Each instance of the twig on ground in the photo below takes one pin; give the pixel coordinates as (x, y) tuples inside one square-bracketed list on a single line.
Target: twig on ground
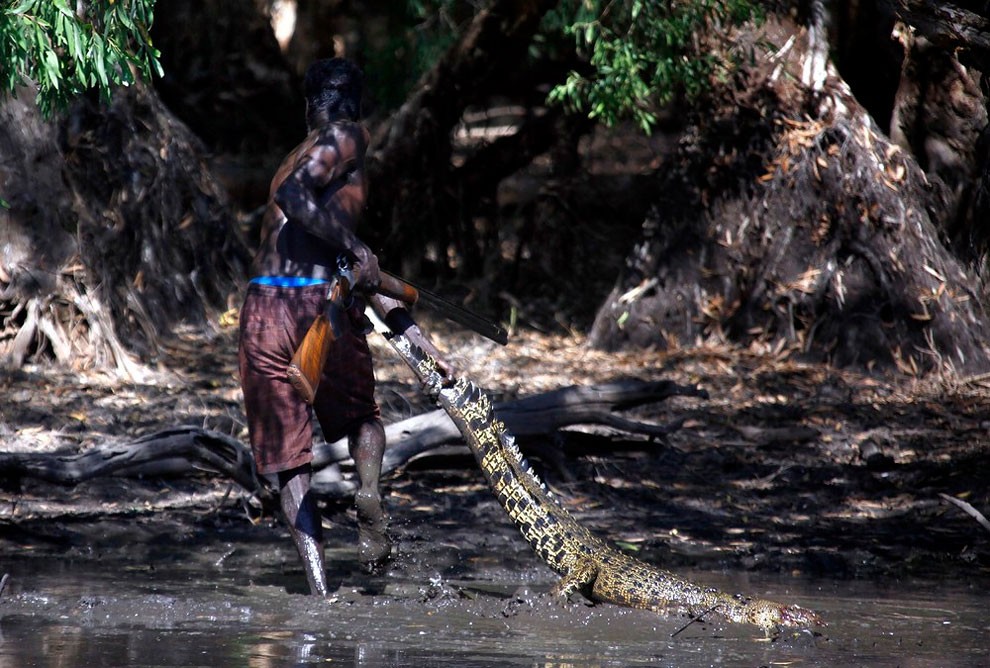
[(694, 620), (968, 509), (226, 495)]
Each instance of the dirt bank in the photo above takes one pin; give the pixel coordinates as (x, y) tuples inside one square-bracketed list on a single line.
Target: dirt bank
[(787, 468)]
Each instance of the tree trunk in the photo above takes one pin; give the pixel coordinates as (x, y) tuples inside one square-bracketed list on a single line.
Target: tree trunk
[(413, 202), (796, 224), (226, 78), (35, 227), (940, 114), (962, 27)]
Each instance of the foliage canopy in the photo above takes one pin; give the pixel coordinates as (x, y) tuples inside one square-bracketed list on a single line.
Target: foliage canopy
[(643, 52), (640, 53), (66, 48)]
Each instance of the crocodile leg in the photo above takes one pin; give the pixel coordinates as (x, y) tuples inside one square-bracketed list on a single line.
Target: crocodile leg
[(580, 577)]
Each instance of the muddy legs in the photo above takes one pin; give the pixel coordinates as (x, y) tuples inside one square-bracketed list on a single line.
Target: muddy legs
[(303, 519), (367, 445)]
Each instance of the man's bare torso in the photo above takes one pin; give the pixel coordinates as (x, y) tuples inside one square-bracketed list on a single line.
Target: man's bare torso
[(322, 187)]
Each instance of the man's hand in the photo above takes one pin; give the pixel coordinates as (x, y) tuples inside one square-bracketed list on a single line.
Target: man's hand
[(367, 276), (396, 317)]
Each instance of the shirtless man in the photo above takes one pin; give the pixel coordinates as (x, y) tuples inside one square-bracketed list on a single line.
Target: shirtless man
[(315, 203)]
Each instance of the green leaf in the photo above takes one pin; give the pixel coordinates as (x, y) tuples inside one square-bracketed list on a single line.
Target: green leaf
[(73, 41), (156, 65), (589, 33), (627, 546), (99, 56), (63, 7), (23, 7), (52, 69)]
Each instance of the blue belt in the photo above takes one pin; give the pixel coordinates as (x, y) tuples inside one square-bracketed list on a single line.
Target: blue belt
[(287, 281)]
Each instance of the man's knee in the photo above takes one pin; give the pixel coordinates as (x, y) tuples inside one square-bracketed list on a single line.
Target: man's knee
[(298, 476)]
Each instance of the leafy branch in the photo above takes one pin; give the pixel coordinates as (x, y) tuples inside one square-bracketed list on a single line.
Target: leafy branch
[(64, 50), (643, 52)]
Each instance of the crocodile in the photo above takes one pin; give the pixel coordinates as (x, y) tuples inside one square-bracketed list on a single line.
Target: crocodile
[(586, 563)]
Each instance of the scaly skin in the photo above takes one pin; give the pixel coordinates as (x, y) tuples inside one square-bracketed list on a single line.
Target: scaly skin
[(585, 562)]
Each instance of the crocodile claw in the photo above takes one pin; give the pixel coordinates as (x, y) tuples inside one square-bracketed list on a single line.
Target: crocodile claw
[(433, 385)]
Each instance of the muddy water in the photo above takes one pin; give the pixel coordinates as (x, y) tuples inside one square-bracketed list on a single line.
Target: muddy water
[(238, 605)]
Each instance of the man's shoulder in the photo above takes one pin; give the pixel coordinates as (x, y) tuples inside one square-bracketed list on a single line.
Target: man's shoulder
[(339, 130), (345, 134), (342, 137)]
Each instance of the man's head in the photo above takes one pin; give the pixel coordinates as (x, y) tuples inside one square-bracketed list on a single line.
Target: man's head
[(333, 92)]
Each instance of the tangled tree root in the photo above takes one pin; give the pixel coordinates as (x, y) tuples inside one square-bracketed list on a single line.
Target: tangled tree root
[(114, 233), (796, 225)]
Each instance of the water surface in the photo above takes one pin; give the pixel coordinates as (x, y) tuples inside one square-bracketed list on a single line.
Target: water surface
[(234, 607)]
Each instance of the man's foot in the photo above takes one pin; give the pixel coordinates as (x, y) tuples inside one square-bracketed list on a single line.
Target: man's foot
[(374, 545)]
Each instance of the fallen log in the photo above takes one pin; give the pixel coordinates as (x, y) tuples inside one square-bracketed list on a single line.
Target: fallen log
[(176, 451), (185, 450), (540, 415)]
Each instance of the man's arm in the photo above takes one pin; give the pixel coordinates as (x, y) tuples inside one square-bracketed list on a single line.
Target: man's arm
[(395, 315), (304, 198), (298, 194)]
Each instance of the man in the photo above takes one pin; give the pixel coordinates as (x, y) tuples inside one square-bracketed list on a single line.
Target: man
[(315, 202)]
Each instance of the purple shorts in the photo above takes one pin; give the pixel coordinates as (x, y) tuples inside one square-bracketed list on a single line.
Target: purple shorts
[(274, 321)]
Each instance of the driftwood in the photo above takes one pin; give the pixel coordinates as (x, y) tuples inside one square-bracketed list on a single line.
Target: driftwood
[(184, 450), (175, 451), (527, 418)]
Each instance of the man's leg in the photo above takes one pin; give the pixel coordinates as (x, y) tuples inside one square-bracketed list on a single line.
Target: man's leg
[(367, 446), (303, 518)]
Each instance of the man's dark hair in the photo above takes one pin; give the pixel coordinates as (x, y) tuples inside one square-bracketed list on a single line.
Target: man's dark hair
[(333, 91)]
